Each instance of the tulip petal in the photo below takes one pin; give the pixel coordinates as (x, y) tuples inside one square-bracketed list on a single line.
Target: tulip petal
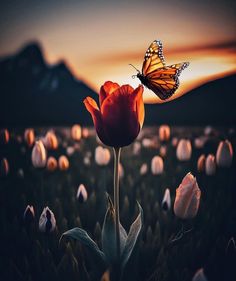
[(138, 94), (107, 89), (93, 109), (119, 116)]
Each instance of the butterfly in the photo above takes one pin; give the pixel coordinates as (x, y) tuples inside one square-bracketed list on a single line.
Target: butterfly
[(161, 79)]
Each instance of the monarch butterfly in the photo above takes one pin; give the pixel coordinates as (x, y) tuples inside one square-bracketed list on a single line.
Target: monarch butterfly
[(161, 79)]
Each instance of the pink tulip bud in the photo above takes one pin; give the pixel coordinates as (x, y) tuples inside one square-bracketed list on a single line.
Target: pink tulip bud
[(201, 163), (39, 155), (164, 133), (224, 154), (174, 142), (210, 165), (163, 150), (85, 133), (187, 198), (76, 132), (50, 141), (157, 165), (63, 163), (184, 150), (136, 148), (4, 167), (102, 156), (82, 194), (199, 142), (47, 221), (29, 137), (143, 169)]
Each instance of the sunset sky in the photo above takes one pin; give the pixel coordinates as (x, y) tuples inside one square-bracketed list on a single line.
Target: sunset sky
[(99, 40)]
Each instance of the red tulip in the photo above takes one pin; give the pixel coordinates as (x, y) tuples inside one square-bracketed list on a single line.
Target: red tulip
[(121, 114)]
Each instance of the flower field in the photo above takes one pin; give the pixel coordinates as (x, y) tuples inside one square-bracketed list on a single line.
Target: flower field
[(164, 252)]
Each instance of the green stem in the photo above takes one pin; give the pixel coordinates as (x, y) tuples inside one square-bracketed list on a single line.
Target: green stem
[(117, 151)]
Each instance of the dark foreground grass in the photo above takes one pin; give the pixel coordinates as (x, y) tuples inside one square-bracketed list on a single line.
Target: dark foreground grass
[(26, 254)]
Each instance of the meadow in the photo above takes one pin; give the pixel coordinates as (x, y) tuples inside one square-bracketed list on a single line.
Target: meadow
[(27, 254)]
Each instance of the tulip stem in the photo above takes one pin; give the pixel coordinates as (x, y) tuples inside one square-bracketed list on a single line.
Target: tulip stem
[(117, 151)]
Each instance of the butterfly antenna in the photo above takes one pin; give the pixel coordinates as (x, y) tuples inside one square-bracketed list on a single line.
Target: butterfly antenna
[(134, 68)]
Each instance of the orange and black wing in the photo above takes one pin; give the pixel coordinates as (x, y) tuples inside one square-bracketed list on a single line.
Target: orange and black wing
[(164, 81), (153, 58)]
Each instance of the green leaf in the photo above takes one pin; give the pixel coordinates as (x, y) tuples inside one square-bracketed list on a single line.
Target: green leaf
[(82, 236), (132, 238), (109, 246)]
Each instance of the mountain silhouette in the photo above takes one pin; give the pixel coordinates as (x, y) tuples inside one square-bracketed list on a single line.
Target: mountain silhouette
[(212, 103), (34, 93)]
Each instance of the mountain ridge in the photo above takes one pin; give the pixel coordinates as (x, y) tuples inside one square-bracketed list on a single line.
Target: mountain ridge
[(34, 93)]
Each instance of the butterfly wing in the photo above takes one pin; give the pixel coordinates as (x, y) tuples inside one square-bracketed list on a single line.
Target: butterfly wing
[(153, 58), (164, 81)]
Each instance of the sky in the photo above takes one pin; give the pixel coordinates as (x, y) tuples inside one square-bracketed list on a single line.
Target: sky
[(98, 40)]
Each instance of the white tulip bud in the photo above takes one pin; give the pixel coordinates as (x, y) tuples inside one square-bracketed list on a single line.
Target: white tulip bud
[(157, 165), (184, 150), (47, 221), (166, 202), (39, 155), (82, 194), (224, 154)]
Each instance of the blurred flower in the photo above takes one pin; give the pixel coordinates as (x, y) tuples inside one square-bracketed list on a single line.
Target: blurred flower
[(82, 194), (199, 275), (20, 173), (166, 202), (199, 142), (4, 167), (63, 163), (76, 132), (87, 161), (201, 163), (121, 171), (136, 148), (85, 133), (224, 154), (164, 133), (39, 155), (157, 165), (187, 198), (163, 150), (210, 166), (148, 143), (50, 141), (121, 114), (184, 150), (51, 164), (102, 156), (47, 221), (70, 150), (143, 169), (29, 214), (174, 142), (4, 136), (208, 130), (29, 137)]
